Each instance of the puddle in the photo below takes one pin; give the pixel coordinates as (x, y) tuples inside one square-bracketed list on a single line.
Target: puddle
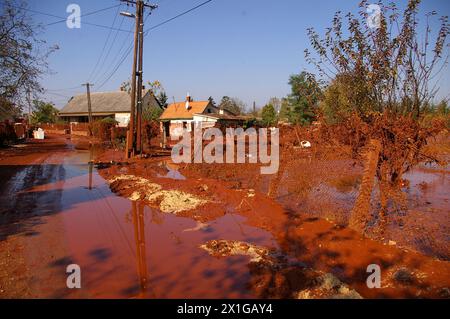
[(172, 172), (130, 249), (126, 249)]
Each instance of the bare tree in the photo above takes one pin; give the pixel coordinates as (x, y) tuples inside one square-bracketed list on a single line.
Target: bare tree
[(23, 57)]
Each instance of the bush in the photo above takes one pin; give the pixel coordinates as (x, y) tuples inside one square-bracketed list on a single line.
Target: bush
[(102, 128)]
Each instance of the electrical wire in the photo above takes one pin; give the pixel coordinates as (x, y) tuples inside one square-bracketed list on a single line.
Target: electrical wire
[(87, 14), (145, 33), (106, 42)]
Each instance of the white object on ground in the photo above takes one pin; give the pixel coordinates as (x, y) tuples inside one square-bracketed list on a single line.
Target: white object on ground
[(39, 134), (305, 144)]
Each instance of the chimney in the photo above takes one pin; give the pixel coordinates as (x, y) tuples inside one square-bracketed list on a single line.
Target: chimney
[(188, 99), (221, 111)]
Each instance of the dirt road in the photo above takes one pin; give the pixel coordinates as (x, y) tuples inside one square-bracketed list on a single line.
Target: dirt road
[(126, 229)]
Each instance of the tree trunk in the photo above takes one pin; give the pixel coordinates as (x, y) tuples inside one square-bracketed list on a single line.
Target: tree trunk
[(360, 214)]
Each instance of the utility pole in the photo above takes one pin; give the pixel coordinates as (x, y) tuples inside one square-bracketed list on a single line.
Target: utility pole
[(88, 93), (139, 86), (134, 135)]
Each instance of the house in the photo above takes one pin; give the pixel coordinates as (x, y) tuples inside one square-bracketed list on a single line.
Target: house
[(105, 104), (183, 115)]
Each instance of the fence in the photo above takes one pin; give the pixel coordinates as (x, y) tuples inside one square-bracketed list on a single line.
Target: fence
[(55, 128), (81, 129)]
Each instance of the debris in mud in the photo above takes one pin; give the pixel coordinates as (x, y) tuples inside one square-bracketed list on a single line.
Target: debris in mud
[(222, 248), (274, 276), (328, 287), (404, 276), (139, 188), (199, 226)]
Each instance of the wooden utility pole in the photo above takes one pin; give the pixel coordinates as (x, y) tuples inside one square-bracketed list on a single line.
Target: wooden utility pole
[(140, 86), (130, 135), (134, 135), (88, 93)]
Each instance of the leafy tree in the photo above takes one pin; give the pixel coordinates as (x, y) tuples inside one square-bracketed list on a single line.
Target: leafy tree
[(383, 80), (44, 112), (211, 100), (276, 102), (442, 108), (162, 99), (23, 57), (233, 105), (335, 105), (159, 92), (269, 115), (285, 109), (152, 114), (8, 110), (156, 88), (389, 67), (304, 97)]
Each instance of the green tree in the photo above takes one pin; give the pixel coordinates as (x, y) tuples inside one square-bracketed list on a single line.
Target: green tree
[(442, 108), (269, 115), (159, 92), (285, 109), (335, 104), (153, 114), (304, 97), (233, 105), (44, 112)]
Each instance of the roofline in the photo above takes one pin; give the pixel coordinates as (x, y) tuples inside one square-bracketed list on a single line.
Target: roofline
[(93, 113), (205, 101), (176, 118)]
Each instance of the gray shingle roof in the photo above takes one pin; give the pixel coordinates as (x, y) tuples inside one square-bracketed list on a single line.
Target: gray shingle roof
[(101, 102), (105, 102)]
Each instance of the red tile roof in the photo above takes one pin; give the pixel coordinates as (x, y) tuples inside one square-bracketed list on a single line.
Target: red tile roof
[(178, 110)]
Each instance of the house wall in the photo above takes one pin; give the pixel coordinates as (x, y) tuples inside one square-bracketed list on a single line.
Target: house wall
[(122, 118), (205, 121), (176, 127)]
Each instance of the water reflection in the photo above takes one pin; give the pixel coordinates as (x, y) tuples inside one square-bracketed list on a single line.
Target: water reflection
[(139, 237), (91, 165)]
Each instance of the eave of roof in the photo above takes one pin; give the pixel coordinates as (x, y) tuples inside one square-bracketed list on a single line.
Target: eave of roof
[(178, 110)]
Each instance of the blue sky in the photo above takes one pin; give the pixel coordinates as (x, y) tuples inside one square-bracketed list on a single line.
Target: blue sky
[(240, 48)]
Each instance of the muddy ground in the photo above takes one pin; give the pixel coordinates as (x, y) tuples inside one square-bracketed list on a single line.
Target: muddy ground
[(149, 228)]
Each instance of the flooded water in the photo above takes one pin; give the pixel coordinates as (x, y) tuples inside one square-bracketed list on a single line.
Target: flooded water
[(57, 209), (126, 249)]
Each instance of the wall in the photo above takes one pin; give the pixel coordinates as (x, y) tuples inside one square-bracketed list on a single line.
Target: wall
[(122, 118)]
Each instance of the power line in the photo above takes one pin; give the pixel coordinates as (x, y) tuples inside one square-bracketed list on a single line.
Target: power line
[(83, 15), (124, 56), (106, 42), (179, 15), (87, 14), (146, 32), (61, 95), (109, 50), (118, 55), (64, 89)]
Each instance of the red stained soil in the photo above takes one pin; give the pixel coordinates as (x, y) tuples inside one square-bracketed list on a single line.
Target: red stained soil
[(57, 210)]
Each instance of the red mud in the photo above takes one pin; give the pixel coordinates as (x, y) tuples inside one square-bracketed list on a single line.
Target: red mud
[(56, 210)]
